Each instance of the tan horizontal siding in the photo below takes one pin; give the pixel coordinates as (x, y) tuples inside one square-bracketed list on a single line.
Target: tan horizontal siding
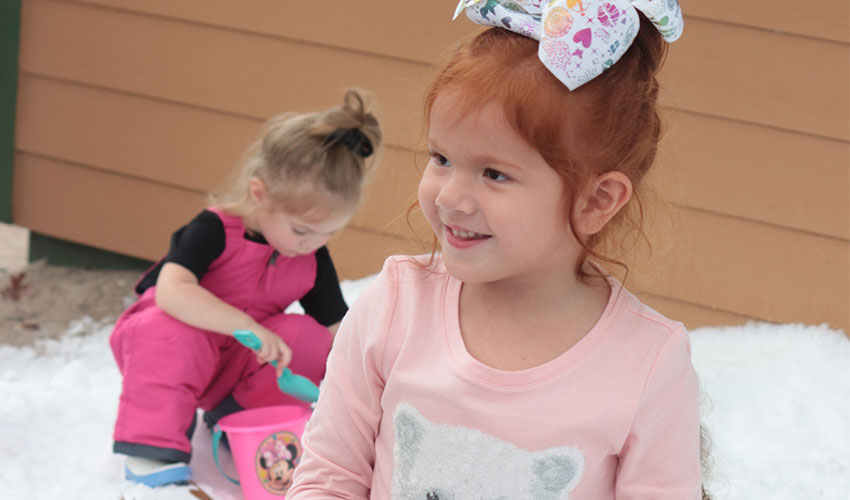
[(829, 19), (130, 110), (172, 144), (410, 25), (100, 209), (230, 72), (759, 173), (794, 83), (418, 31), (748, 268), (164, 142), (716, 69)]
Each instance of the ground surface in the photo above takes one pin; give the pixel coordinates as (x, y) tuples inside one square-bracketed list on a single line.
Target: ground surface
[(49, 298)]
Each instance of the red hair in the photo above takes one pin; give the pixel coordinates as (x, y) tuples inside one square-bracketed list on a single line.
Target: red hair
[(609, 123)]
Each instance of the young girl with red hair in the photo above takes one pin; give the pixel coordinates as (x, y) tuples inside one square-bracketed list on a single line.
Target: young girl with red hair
[(511, 364)]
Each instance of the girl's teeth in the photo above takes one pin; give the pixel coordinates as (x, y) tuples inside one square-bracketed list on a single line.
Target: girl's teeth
[(464, 234)]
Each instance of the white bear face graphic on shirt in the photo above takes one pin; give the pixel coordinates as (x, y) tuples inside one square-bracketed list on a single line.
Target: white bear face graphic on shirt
[(449, 462)]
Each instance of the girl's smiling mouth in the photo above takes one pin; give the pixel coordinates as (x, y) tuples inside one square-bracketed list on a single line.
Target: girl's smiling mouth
[(462, 239)]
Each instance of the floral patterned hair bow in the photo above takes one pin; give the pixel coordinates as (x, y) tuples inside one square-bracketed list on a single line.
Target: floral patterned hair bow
[(579, 39)]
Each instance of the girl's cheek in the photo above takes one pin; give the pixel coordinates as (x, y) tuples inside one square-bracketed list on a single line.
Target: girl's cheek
[(427, 194), (429, 188), (314, 242)]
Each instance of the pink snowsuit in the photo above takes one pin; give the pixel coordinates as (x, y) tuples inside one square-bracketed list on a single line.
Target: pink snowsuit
[(170, 368)]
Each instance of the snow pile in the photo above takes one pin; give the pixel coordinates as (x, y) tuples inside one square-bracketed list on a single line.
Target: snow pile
[(778, 410)]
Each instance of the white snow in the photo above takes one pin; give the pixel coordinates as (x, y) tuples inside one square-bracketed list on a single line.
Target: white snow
[(777, 406)]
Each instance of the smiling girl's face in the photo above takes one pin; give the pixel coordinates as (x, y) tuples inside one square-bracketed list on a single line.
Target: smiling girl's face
[(494, 203)]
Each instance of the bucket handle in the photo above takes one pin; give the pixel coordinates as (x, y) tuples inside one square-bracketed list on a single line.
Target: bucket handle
[(216, 440)]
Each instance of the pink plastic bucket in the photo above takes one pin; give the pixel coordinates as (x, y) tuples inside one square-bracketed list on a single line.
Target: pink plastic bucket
[(266, 446)]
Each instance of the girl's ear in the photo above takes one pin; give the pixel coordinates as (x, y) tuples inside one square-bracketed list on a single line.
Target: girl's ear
[(258, 190), (601, 200)]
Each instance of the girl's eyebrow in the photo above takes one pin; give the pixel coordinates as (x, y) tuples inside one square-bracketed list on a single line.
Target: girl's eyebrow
[(482, 159), (499, 163)]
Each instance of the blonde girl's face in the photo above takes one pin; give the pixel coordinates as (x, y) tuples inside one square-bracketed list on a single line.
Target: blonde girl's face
[(494, 203), (295, 234)]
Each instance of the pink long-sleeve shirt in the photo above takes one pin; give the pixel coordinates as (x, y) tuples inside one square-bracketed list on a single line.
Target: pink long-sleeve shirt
[(406, 412)]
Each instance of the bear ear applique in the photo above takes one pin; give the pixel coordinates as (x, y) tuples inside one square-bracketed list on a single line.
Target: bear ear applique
[(409, 433), (409, 430), (557, 473)]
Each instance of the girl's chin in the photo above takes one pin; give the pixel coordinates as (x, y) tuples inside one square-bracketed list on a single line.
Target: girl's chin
[(469, 272), (289, 253)]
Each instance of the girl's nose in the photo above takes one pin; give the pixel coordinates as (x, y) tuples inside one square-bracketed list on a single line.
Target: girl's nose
[(457, 195)]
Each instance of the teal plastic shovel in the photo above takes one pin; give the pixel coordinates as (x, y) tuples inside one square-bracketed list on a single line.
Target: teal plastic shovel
[(295, 385)]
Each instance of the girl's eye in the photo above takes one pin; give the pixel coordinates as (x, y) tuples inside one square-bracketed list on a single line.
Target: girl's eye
[(494, 175), (299, 232), (440, 160)]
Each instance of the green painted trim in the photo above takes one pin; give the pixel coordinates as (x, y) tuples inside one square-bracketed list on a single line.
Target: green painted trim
[(10, 30), (59, 252)]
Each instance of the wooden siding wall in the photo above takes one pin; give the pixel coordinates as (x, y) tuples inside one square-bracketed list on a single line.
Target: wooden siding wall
[(130, 110)]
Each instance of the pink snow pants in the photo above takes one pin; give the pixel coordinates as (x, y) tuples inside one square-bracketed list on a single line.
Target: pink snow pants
[(170, 369)]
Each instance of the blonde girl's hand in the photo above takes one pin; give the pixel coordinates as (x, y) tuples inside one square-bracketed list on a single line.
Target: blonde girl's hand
[(273, 349)]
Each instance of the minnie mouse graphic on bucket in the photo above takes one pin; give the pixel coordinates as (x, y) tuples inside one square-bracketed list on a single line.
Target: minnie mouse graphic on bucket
[(276, 459)]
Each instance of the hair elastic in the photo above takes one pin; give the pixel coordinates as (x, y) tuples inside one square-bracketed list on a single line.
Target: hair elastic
[(353, 138), (579, 39)]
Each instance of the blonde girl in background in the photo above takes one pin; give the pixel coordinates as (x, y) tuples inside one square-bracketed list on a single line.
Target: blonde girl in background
[(238, 265), (512, 364)]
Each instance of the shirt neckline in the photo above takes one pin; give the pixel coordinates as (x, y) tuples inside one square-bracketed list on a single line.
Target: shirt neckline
[(516, 379)]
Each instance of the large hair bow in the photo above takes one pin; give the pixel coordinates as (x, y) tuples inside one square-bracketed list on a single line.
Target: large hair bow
[(579, 39)]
